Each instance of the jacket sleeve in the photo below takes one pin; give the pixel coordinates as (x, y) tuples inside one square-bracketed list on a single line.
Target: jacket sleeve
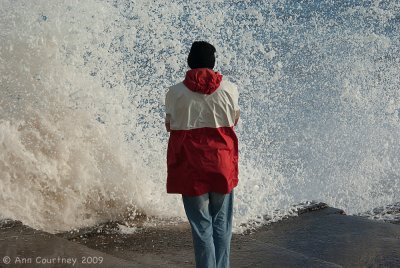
[(236, 103), (168, 107)]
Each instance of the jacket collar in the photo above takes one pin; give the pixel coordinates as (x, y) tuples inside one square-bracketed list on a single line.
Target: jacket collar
[(202, 80)]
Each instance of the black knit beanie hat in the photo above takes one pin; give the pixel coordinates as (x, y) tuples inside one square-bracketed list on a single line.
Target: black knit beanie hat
[(201, 55)]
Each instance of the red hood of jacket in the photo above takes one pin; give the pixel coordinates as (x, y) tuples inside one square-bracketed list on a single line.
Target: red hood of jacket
[(202, 80)]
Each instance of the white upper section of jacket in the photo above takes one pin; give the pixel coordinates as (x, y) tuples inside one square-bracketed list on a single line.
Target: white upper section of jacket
[(186, 109)]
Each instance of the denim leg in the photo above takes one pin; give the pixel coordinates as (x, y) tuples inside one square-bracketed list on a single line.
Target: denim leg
[(197, 211), (221, 208)]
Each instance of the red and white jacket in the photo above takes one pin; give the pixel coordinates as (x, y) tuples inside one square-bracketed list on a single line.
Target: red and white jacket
[(202, 152)]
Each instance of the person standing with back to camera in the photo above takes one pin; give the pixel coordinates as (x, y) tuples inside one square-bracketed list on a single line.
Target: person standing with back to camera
[(202, 156)]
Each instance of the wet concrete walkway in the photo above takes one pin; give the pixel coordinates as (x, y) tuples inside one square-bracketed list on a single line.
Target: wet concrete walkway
[(21, 246), (322, 238)]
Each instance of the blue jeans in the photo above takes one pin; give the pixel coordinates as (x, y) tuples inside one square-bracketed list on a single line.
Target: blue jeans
[(210, 218)]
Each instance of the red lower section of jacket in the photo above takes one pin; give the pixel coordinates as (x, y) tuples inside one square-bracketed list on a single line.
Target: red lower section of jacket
[(202, 160)]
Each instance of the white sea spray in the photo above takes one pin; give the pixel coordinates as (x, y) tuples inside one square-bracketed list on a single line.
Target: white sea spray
[(81, 105)]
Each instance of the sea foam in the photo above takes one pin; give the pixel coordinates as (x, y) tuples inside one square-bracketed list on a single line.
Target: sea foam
[(81, 105)]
